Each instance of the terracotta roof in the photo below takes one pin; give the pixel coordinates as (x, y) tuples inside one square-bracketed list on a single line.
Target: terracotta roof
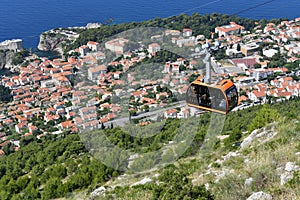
[(247, 61), (92, 43), (67, 124), (98, 68), (168, 112), (259, 94)]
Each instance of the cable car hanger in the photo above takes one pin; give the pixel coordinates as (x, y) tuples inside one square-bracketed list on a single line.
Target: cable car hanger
[(220, 97)]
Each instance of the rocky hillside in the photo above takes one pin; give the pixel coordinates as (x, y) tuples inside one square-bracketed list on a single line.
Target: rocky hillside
[(256, 157), (264, 164)]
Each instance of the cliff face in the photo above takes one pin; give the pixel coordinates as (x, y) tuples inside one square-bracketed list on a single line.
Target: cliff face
[(5, 59), (51, 42), (55, 39)]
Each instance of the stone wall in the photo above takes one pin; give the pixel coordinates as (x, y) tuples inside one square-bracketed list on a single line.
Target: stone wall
[(15, 45)]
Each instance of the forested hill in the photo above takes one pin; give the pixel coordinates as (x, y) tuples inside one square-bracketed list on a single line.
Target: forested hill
[(59, 166), (200, 24)]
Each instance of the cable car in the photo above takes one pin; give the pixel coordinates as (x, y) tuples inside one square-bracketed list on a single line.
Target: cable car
[(221, 97)]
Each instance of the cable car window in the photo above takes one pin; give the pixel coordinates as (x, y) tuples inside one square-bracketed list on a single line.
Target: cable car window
[(232, 97), (199, 95), (192, 95), (218, 100)]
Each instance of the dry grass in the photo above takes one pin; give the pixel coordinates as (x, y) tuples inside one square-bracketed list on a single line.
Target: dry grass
[(266, 161)]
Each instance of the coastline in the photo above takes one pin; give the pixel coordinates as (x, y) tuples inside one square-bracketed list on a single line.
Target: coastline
[(29, 22)]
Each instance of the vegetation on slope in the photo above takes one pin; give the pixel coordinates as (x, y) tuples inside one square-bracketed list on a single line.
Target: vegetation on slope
[(200, 24), (58, 166), (263, 162), (50, 168), (5, 95)]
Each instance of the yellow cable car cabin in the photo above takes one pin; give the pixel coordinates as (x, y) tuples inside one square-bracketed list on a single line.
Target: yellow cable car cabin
[(221, 97)]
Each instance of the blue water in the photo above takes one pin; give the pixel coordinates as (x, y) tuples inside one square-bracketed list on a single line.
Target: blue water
[(27, 19)]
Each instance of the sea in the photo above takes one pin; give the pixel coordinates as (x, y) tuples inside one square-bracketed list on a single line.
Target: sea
[(27, 19)]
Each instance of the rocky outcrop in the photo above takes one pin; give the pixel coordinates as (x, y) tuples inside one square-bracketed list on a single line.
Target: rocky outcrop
[(6, 58), (262, 135), (289, 170), (98, 192), (143, 181), (51, 42), (55, 39), (260, 196)]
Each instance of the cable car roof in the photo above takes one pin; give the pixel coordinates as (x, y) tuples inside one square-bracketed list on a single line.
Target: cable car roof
[(223, 84)]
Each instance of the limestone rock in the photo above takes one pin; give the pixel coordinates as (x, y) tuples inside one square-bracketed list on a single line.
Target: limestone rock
[(143, 181), (98, 192), (291, 167), (260, 196), (248, 181), (248, 140), (285, 177), (50, 42), (5, 59)]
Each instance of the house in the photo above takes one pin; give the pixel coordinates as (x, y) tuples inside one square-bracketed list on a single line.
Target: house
[(242, 99), (83, 50), (105, 106), (153, 48), (8, 122), (230, 29), (91, 125), (87, 110), (162, 95), (173, 67), (48, 117), (111, 116), (275, 83), (94, 72), (184, 112), (103, 120), (261, 86), (249, 48), (139, 94), (32, 129), (172, 113), (287, 79), (67, 124), (116, 45), (20, 126), (191, 41), (59, 105), (172, 32), (257, 96), (94, 46), (293, 89), (117, 74), (106, 95), (259, 74), (116, 109), (186, 32), (174, 82), (283, 95)]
